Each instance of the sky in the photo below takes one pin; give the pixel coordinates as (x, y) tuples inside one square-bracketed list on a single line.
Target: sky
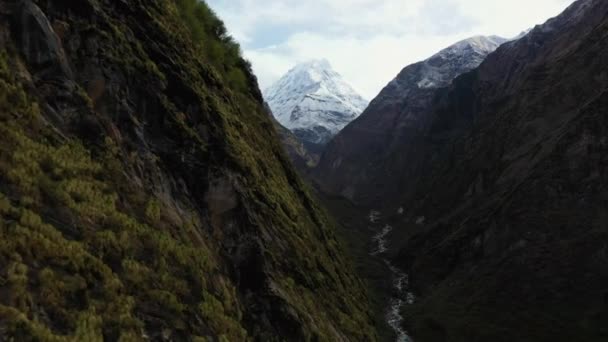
[(368, 41)]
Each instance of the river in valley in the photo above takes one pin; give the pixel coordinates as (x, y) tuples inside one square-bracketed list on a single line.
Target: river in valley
[(400, 294)]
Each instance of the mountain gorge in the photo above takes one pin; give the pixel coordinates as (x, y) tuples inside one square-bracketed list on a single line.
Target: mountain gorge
[(144, 194), (149, 191), (365, 162), (512, 186), (498, 184), (314, 102)]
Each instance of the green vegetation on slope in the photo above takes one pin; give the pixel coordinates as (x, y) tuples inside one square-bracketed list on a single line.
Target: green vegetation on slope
[(72, 257), (92, 245), (218, 47)]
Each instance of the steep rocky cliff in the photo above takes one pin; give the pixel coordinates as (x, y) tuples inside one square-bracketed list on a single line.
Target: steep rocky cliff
[(301, 158), (510, 192), (143, 191), (366, 162)]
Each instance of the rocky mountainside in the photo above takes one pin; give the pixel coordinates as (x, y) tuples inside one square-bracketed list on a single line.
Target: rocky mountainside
[(144, 194), (365, 162), (302, 159), (314, 102), (505, 184)]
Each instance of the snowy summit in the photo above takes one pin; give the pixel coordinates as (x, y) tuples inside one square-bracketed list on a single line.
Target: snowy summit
[(314, 101), (463, 56)]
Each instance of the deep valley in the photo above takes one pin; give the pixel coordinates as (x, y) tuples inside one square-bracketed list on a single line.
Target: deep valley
[(151, 191)]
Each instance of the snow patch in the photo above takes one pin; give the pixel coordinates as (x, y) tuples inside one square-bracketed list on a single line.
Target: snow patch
[(427, 84), (465, 55), (420, 220), (439, 70)]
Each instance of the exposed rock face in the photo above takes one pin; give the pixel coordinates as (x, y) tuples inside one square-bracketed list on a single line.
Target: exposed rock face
[(510, 176), (314, 102), (302, 158), (365, 162), (143, 190)]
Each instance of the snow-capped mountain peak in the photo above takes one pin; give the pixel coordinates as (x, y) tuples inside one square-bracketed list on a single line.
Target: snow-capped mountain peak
[(416, 81), (462, 56), (521, 34), (314, 101)]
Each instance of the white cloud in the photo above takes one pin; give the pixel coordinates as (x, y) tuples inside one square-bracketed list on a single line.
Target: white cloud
[(368, 64), (368, 41)]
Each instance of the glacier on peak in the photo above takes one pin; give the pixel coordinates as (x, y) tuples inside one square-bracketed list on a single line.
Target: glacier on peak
[(314, 101)]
